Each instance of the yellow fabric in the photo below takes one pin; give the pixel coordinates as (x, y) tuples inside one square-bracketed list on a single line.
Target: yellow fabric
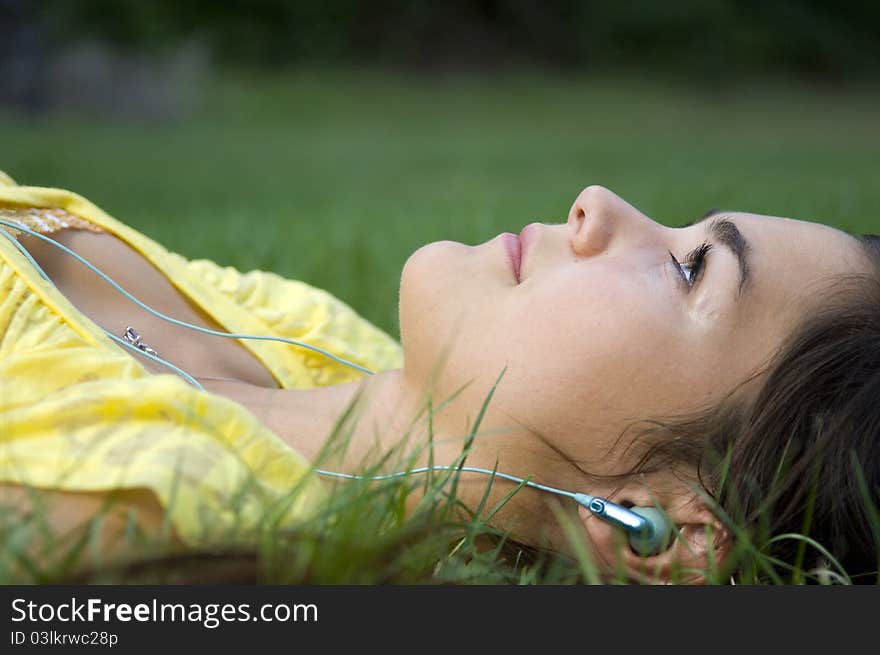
[(80, 413)]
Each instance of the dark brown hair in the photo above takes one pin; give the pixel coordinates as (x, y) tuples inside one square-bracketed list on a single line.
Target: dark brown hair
[(801, 453)]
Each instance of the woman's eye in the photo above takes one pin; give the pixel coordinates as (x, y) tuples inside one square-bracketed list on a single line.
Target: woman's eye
[(686, 275), (683, 270), (693, 264)]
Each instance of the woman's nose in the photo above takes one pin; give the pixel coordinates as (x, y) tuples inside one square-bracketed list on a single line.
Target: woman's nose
[(598, 217)]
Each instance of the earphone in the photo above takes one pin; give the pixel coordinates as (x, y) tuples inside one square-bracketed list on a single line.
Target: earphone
[(648, 529)]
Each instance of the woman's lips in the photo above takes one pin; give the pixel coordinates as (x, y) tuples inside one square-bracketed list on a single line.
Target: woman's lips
[(526, 236), (514, 252)]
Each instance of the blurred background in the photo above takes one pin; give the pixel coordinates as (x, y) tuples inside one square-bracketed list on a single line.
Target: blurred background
[(326, 141)]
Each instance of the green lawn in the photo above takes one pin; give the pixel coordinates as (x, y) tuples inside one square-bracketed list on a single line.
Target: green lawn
[(335, 178)]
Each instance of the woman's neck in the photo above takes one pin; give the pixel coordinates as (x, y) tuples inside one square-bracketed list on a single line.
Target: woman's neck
[(305, 419), (388, 411)]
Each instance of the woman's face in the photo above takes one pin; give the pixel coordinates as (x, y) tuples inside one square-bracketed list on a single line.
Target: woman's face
[(602, 328)]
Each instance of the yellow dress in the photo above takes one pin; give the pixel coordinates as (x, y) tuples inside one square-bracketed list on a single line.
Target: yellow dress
[(78, 412)]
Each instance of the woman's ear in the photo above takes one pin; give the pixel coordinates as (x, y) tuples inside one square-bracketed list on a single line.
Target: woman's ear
[(699, 542)]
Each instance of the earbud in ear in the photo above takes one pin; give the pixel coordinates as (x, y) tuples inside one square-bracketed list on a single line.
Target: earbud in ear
[(656, 538), (648, 529)]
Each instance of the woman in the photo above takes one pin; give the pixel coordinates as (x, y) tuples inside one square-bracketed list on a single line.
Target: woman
[(743, 337)]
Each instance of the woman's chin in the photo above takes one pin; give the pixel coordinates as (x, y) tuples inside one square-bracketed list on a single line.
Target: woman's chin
[(433, 282), (435, 249), (433, 262)]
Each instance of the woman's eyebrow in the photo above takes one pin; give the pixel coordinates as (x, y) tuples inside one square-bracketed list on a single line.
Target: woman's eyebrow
[(723, 230)]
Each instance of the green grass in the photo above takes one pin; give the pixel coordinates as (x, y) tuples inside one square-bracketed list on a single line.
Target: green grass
[(360, 534), (335, 178)]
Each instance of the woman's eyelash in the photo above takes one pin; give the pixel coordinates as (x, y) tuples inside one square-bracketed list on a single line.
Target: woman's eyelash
[(694, 262)]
